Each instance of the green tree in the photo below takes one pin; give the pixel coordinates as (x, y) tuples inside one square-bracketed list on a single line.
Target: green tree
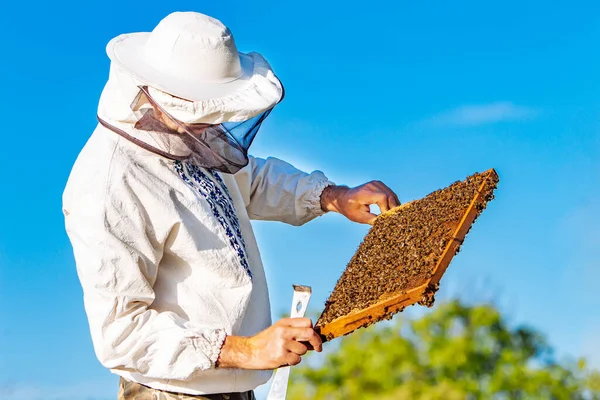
[(455, 352)]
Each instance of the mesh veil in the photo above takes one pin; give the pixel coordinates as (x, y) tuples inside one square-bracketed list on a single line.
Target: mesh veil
[(223, 146)]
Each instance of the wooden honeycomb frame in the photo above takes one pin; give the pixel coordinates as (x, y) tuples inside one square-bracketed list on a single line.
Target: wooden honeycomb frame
[(421, 294)]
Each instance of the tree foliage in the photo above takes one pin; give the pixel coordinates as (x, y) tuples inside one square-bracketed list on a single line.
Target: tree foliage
[(455, 352)]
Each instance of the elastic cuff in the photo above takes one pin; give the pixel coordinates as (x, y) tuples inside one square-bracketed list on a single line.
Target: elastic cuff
[(314, 198), (212, 345)]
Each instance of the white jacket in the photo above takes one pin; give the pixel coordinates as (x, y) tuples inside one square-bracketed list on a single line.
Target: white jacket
[(168, 261)]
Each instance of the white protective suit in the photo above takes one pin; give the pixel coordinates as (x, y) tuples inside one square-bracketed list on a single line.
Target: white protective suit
[(167, 258)]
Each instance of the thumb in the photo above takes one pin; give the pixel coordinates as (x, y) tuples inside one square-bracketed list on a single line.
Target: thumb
[(363, 215)]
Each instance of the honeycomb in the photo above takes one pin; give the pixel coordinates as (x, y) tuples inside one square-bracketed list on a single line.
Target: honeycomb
[(404, 247)]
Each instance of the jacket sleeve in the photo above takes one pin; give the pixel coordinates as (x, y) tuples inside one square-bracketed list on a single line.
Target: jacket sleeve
[(117, 252), (274, 190)]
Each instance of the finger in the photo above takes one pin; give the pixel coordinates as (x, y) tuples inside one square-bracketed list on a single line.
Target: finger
[(292, 359), (392, 202), (389, 192), (297, 347), (311, 348), (361, 213), (382, 202), (316, 342), (297, 322), (308, 335), (363, 217), (299, 334), (395, 199), (373, 197), (398, 202)]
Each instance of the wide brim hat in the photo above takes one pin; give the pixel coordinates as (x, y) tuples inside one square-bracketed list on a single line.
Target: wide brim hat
[(193, 57)]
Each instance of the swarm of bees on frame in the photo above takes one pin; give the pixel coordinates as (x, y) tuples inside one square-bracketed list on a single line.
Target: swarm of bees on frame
[(402, 249)]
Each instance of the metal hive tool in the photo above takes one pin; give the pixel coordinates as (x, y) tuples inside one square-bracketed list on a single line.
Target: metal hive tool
[(403, 257)]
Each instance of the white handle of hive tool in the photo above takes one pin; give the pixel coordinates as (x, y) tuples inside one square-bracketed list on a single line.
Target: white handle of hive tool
[(282, 375)]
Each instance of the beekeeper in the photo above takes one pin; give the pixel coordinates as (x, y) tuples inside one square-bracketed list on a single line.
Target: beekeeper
[(158, 208)]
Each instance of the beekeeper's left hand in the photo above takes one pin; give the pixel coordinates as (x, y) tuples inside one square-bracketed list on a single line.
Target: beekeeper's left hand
[(354, 203)]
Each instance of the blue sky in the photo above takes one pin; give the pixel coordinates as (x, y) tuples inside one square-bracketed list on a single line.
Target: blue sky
[(415, 93)]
